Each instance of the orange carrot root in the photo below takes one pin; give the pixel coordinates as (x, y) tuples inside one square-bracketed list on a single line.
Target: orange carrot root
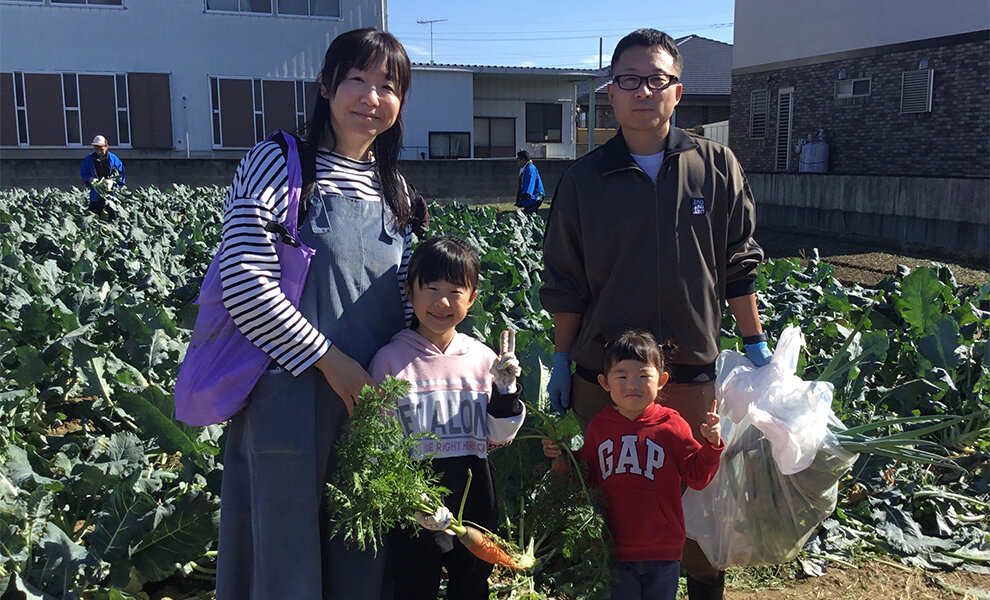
[(487, 550)]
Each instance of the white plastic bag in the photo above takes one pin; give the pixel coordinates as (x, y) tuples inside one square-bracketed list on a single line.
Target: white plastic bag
[(777, 479), (791, 413)]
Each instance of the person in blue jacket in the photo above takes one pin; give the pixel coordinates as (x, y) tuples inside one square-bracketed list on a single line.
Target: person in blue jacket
[(100, 164), (530, 194)]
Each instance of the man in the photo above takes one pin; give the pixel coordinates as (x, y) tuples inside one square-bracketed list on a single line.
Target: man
[(530, 195), (652, 230), (101, 164)]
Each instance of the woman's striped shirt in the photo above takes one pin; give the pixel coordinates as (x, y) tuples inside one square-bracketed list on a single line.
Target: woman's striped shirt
[(249, 268)]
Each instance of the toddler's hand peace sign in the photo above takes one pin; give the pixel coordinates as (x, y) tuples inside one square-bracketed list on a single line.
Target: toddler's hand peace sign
[(710, 429)]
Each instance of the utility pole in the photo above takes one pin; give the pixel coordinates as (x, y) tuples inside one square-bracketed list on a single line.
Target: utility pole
[(430, 22)]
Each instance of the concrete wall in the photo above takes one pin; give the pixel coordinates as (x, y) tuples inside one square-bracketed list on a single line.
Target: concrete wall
[(477, 181), (141, 172), (473, 181), (768, 31), (953, 214), (944, 213), (177, 37)]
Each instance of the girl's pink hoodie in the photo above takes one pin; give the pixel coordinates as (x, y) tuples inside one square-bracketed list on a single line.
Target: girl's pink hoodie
[(451, 394)]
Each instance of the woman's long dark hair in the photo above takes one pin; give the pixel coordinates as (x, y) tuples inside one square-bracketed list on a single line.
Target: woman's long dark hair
[(365, 49)]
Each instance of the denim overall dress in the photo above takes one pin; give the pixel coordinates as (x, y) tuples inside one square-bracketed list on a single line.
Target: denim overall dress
[(273, 517)]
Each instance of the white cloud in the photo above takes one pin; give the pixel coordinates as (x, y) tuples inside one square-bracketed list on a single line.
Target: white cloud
[(592, 61), (417, 53)]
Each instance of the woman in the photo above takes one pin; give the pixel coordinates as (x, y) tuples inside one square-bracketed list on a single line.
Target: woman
[(273, 541)]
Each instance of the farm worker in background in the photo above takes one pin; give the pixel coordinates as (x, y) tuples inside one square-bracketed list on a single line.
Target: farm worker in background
[(530, 194), (273, 519), (451, 374), (98, 165), (640, 453), (652, 230)]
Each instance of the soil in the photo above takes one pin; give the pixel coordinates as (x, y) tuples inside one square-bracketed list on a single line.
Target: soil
[(869, 581), (863, 262), (859, 260)]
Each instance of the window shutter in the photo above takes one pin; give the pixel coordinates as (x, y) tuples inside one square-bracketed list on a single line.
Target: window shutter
[(916, 91), (758, 114), (783, 154)]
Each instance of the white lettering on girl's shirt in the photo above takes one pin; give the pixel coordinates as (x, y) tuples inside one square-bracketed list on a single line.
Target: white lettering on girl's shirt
[(459, 418), (629, 457)]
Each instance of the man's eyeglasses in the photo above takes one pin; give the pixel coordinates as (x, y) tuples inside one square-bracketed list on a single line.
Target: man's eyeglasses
[(656, 82)]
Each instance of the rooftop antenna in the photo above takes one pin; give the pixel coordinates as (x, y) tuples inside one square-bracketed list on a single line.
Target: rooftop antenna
[(430, 22)]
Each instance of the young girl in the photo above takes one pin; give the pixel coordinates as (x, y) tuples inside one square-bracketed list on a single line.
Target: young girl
[(273, 538), (455, 397), (639, 453)]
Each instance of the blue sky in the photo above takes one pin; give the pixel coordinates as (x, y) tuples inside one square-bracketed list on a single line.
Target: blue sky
[(545, 33)]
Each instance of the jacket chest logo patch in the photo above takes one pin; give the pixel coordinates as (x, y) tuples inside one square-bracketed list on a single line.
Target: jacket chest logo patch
[(697, 206)]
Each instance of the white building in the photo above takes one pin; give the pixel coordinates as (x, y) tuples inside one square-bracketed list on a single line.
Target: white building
[(210, 78), (162, 78), (469, 111)]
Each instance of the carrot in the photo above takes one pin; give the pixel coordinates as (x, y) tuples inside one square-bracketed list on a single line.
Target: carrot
[(482, 543), (485, 548)]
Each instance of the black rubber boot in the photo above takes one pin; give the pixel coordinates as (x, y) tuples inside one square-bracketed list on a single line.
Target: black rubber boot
[(707, 589)]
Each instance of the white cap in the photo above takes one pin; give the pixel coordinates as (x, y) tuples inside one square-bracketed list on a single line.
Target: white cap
[(99, 141)]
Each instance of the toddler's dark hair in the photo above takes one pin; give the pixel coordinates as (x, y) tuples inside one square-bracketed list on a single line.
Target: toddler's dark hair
[(445, 258), (634, 344)]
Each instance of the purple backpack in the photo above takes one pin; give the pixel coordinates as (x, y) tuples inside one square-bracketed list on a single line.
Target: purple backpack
[(222, 366)]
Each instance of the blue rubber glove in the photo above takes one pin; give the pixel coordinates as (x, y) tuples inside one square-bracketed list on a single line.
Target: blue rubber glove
[(559, 387), (759, 354)]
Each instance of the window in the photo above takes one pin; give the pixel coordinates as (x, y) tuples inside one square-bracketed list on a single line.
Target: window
[(259, 111), (300, 103), (916, 91), (85, 105), (299, 8), (123, 117), (852, 88), (22, 120), (90, 2), (69, 2), (758, 105), (309, 8), (450, 144), (263, 7), (494, 137), (70, 109), (543, 122), (245, 110), (70, 100)]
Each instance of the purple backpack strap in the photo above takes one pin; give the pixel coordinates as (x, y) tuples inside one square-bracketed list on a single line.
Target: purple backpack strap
[(294, 169)]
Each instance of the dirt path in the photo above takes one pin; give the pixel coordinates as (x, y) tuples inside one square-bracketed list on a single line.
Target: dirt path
[(857, 260), (860, 262), (871, 581)]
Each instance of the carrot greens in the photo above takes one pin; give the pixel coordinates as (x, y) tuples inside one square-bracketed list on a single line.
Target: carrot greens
[(381, 482)]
